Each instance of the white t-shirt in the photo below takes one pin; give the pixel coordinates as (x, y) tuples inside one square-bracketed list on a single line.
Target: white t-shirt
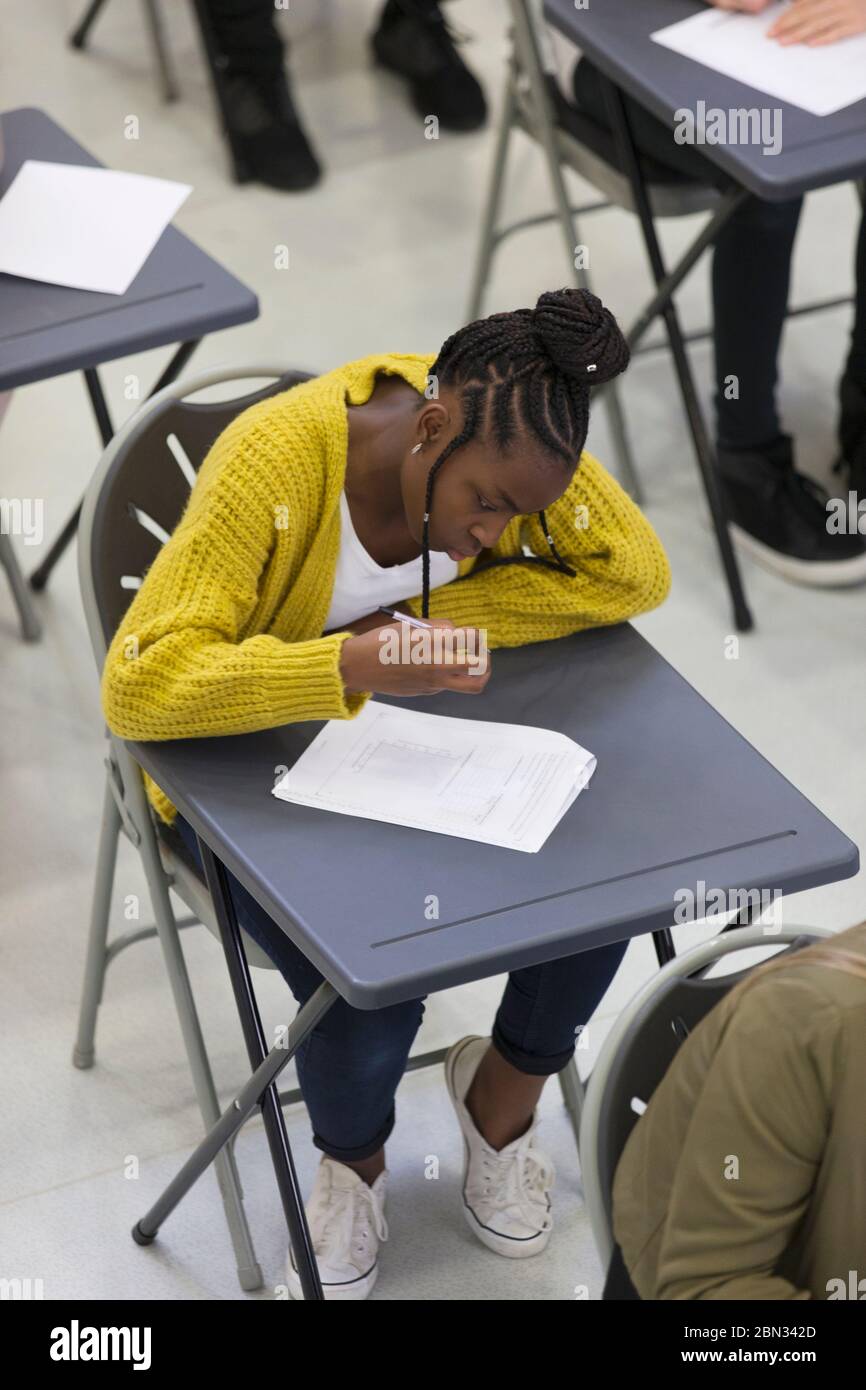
[(360, 585)]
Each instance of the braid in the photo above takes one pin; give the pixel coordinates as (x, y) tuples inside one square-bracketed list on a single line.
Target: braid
[(532, 370)]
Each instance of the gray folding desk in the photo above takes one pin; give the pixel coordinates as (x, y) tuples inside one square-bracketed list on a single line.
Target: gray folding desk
[(615, 34), (816, 151), (678, 797), (178, 296)]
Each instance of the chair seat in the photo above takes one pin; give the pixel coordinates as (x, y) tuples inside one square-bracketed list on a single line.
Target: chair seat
[(589, 148)]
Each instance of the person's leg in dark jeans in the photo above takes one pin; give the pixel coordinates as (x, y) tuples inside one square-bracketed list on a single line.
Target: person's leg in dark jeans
[(751, 277), (350, 1065), (778, 515), (412, 39), (534, 1036), (271, 143), (495, 1085)]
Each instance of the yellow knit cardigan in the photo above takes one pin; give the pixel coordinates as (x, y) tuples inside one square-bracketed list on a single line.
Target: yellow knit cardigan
[(224, 635)]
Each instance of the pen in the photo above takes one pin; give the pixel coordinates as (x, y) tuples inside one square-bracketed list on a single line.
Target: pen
[(404, 617)]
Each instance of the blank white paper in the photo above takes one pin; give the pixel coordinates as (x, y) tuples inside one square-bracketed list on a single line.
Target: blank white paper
[(499, 784), (821, 80), (92, 229)]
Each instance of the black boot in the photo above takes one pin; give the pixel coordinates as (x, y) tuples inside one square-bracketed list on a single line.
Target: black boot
[(269, 142), (852, 436), (785, 521), (414, 40)]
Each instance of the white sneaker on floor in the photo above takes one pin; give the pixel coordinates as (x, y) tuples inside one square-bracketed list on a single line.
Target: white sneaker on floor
[(346, 1218), (506, 1192)]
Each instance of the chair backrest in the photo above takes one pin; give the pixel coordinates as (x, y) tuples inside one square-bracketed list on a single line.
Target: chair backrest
[(641, 1047), (142, 485), (133, 502)]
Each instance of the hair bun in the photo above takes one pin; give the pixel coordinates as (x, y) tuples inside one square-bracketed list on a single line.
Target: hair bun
[(581, 337)]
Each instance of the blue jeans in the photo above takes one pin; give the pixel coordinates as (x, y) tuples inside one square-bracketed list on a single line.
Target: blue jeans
[(350, 1065)]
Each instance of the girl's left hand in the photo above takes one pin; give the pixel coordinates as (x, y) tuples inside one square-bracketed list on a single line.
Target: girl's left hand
[(815, 22)]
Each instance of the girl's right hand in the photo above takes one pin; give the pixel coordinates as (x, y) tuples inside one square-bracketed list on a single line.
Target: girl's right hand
[(367, 662)]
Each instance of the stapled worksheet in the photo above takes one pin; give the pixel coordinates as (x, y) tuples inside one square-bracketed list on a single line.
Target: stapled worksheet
[(499, 784), (821, 79)]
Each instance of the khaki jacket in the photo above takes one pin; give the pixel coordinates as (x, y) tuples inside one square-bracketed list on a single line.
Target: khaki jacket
[(746, 1176)]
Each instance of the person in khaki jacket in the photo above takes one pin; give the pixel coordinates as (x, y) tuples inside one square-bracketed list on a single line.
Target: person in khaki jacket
[(745, 1178)]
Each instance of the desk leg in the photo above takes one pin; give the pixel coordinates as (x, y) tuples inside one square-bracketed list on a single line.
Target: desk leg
[(254, 1037), (664, 943), (39, 577), (227, 1126), (703, 449)]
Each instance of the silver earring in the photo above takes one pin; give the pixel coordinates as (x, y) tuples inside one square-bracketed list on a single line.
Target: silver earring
[(417, 447)]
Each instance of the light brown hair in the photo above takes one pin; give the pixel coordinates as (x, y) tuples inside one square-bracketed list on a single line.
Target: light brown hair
[(832, 954)]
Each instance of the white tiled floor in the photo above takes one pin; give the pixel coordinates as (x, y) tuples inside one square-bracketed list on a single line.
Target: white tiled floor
[(381, 255)]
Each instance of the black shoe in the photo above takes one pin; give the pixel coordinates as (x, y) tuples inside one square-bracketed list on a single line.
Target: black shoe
[(414, 40), (852, 438), (268, 140), (782, 518)]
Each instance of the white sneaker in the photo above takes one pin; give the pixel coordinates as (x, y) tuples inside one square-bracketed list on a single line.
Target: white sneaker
[(506, 1192), (346, 1218)]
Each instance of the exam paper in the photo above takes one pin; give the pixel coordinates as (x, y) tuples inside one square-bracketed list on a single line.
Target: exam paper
[(499, 784), (92, 229), (821, 80)]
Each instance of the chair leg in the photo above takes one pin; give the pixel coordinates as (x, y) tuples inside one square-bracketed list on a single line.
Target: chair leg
[(573, 1092), (487, 240), (94, 968), (527, 41), (30, 626), (249, 1271), (621, 444), (161, 50)]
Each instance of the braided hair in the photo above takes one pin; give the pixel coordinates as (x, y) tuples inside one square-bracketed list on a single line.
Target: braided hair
[(532, 369)]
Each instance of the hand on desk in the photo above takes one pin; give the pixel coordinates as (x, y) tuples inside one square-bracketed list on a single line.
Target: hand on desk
[(812, 22), (817, 22), (379, 658)]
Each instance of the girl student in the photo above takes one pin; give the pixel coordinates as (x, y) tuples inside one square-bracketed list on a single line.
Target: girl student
[(390, 475)]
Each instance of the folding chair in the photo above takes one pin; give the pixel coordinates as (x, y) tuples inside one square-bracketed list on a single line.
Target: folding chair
[(641, 1046), (132, 504), (608, 159)]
